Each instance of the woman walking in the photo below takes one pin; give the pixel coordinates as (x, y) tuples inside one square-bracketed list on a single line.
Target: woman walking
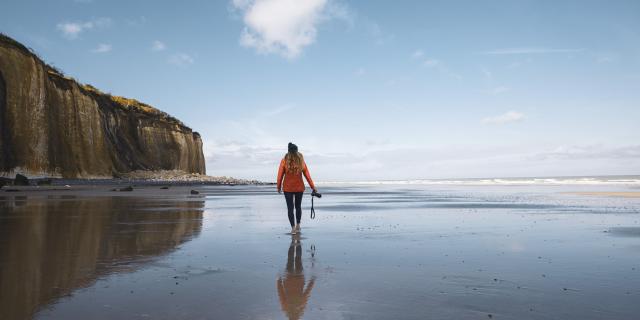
[(290, 173)]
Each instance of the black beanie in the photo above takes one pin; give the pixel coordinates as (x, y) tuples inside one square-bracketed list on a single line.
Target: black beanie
[(292, 147)]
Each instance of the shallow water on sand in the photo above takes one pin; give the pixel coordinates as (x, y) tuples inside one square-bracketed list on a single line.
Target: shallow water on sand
[(373, 252)]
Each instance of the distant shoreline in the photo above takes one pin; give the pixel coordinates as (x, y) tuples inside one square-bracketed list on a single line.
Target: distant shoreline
[(140, 177), (507, 181), (629, 194), (56, 182)]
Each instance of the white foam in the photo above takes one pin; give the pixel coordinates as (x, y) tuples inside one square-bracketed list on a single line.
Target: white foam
[(602, 180)]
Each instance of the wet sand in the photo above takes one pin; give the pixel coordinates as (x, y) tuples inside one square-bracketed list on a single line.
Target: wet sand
[(373, 252)]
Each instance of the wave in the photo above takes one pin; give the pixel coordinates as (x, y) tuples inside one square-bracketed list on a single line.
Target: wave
[(586, 180)]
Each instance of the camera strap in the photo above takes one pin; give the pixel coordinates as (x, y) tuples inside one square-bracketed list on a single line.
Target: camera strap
[(313, 211)]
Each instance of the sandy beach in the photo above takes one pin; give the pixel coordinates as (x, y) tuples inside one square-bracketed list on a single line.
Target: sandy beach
[(473, 160), (373, 252)]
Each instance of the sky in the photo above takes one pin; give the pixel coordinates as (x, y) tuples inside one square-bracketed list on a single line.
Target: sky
[(368, 90)]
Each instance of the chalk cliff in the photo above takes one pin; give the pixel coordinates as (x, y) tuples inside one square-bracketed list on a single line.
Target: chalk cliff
[(51, 125)]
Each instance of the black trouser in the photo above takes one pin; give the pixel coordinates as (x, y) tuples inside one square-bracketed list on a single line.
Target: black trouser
[(289, 196), (294, 259)]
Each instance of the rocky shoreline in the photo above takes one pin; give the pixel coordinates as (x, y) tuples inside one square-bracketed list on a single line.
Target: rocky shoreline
[(181, 177), (140, 177)]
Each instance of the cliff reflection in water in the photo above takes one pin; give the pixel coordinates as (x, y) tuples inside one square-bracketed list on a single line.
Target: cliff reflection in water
[(48, 248)]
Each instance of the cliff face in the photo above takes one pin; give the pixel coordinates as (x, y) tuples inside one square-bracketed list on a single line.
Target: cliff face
[(50, 125)]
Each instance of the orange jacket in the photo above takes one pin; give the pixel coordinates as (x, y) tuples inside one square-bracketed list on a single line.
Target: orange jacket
[(293, 181)]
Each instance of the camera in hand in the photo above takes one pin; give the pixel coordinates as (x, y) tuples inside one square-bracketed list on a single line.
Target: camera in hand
[(316, 194)]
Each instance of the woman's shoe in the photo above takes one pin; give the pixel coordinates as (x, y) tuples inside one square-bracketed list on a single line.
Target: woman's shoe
[(298, 227), (294, 230)]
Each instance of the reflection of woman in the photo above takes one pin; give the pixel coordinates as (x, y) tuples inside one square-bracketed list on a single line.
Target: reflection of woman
[(291, 291)]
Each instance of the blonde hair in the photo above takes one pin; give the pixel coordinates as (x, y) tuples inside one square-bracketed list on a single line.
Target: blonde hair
[(294, 161)]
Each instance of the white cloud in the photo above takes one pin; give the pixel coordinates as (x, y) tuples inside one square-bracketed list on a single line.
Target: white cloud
[(102, 48), (530, 50), (497, 90), (606, 57), (181, 59), (217, 150), (284, 27), (158, 46), (137, 21), (487, 73), (71, 30), (590, 152), (259, 160), (256, 147), (436, 64), (511, 116), (431, 63), (380, 36), (279, 110), (241, 4), (374, 161), (492, 88)]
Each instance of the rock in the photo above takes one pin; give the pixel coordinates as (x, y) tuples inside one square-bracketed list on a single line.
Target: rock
[(164, 188), (169, 176), (129, 188), (55, 126), (20, 180), (44, 182), (194, 192), (5, 181)]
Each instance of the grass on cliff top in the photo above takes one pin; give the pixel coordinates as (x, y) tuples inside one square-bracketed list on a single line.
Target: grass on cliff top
[(132, 104), (26, 50), (122, 101)]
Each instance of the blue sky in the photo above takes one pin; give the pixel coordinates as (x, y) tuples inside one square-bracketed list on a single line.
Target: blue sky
[(367, 89)]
